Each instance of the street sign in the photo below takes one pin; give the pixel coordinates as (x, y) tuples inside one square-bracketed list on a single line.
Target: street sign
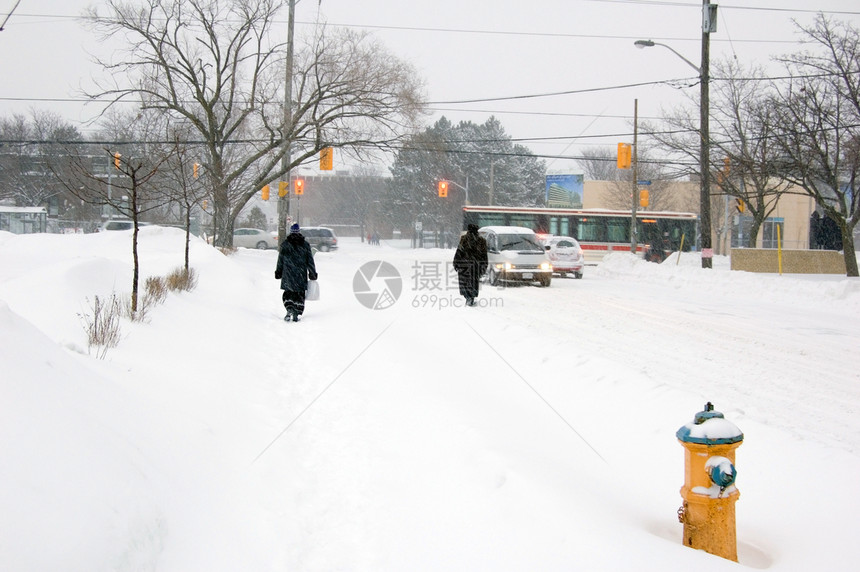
[(643, 182)]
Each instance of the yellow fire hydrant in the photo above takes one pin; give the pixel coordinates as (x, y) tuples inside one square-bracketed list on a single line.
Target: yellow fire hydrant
[(709, 492)]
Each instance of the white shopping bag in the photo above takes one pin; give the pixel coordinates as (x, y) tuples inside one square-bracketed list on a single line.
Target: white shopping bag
[(313, 291)]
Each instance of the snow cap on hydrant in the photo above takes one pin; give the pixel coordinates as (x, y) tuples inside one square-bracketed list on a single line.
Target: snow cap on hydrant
[(710, 427), (709, 492)]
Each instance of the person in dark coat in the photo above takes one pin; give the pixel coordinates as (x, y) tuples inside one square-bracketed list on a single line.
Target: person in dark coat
[(295, 266), (470, 262)]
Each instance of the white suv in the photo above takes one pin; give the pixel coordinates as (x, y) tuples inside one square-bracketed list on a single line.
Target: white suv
[(515, 254)]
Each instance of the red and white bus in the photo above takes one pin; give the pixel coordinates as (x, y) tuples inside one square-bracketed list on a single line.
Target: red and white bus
[(598, 231)]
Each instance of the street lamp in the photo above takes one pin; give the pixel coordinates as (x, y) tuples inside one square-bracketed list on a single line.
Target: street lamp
[(642, 44), (709, 24)]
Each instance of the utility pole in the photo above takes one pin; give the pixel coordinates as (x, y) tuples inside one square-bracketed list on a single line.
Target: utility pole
[(709, 24), (284, 202), (492, 181), (633, 222)]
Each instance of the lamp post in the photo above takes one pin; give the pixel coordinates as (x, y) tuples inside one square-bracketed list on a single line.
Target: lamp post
[(709, 24)]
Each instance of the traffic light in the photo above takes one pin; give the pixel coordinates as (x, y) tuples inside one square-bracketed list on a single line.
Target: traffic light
[(265, 192), (283, 188), (644, 197), (443, 189), (300, 186), (739, 204), (723, 175), (625, 154), (196, 168), (326, 159), (116, 157), (205, 204)]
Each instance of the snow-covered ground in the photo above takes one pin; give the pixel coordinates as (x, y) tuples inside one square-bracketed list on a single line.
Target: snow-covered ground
[(536, 432)]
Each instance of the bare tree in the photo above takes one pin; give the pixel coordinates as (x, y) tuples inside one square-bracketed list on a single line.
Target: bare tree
[(742, 138), (179, 180), (212, 64), (599, 164), (122, 176), (819, 125), (28, 145), (742, 131), (619, 195)]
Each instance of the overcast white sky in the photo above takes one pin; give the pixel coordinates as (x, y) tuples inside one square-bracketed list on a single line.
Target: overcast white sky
[(470, 49)]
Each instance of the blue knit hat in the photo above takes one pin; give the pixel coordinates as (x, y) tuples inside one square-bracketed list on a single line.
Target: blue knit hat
[(294, 228)]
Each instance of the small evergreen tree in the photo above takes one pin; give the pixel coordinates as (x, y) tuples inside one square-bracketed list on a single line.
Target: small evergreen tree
[(256, 219)]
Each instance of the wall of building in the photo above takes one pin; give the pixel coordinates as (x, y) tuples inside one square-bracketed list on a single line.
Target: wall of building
[(788, 261), (683, 196), (676, 196)]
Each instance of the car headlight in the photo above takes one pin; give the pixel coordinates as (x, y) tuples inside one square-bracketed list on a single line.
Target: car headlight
[(545, 266), (509, 266)]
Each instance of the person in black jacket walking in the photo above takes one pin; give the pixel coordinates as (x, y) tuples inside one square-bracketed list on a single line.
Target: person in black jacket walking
[(470, 262), (295, 266)]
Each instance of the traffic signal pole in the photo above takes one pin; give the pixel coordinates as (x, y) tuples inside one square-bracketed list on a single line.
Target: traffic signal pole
[(633, 225), (284, 201)]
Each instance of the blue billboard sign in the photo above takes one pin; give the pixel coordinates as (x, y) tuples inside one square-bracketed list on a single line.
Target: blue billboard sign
[(564, 191)]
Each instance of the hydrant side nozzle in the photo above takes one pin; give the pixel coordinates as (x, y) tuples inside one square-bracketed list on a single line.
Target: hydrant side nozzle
[(721, 471)]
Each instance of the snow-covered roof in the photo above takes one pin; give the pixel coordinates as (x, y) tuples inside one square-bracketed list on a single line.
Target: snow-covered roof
[(506, 229), (5, 209)]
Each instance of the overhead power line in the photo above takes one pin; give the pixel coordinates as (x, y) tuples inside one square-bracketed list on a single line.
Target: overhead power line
[(724, 7), (556, 93)]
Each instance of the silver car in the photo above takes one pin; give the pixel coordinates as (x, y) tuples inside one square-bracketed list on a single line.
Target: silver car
[(566, 256), (254, 238)]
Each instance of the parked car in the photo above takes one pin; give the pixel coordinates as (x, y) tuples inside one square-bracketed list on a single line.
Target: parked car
[(515, 254), (565, 254), (320, 237), (254, 238), (120, 224)]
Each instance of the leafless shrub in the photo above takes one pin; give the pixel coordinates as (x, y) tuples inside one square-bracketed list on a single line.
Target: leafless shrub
[(101, 323), (144, 303), (182, 279), (155, 288)]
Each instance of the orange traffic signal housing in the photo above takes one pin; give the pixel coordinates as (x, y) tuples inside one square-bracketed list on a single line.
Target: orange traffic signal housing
[(443, 188), (326, 159), (299, 186), (625, 154)]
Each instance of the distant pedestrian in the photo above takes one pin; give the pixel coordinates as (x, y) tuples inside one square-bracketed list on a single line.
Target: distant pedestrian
[(295, 266), (470, 262)]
